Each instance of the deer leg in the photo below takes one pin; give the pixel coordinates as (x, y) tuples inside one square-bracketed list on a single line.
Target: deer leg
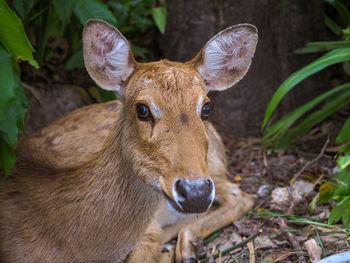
[(233, 206), (148, 249)]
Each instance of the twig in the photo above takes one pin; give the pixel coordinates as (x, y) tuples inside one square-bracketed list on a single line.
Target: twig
[(291, 237), (292, 204), (312, 161), (232, 248), (250, 246)]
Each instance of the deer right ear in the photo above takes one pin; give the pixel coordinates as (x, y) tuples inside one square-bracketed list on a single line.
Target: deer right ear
[(107, 55), (226, 58)]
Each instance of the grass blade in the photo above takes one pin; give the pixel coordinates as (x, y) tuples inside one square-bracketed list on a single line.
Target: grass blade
[(332, 57), (280, 127)]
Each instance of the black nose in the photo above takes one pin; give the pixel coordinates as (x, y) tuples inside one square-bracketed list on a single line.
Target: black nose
[(194, 196)]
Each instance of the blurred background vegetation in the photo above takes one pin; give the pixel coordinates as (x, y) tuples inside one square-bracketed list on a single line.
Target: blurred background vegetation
[(41, 56)]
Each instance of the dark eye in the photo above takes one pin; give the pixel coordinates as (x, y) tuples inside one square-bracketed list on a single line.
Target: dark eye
[(143, 112), (205, 111)]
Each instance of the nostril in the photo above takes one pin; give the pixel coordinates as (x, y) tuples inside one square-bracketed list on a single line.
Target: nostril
[(180, 189), (208, 182)]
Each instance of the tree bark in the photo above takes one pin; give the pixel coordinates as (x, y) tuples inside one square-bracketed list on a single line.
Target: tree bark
[(283, 27)]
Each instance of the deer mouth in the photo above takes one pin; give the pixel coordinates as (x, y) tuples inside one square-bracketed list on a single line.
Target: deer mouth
[(173, 204)]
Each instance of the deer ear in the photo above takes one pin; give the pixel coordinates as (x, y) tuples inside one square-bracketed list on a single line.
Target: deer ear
[(226, 58), (107, 55)]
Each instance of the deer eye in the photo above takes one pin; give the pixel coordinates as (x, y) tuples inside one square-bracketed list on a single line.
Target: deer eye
[(143, 112), (205, 111)]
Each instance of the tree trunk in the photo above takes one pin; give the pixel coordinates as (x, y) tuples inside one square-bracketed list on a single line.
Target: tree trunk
[(283, 27)]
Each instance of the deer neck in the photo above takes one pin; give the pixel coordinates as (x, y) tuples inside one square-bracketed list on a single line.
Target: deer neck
[(126, 204)]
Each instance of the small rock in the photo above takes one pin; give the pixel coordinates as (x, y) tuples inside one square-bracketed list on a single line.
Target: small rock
[(281, 197), (263, 191)]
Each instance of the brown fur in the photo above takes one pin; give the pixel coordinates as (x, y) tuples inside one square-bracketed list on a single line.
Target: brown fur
[(67, 136), (53, 210)]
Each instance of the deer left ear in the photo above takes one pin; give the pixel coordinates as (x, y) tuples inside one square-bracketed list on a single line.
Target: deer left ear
[(226, 58)]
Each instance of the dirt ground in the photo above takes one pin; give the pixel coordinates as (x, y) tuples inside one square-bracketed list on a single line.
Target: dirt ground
[(278, 230)]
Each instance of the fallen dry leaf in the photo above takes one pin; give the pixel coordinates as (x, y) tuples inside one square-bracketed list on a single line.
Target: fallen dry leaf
[(313, 250)]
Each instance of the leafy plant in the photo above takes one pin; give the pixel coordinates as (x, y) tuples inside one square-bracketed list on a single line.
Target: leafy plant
[(280, 134), (47, 19), (13, 102)]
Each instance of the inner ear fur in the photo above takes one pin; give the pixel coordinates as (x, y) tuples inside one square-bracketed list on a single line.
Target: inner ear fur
[(107, 55), (226, 57)]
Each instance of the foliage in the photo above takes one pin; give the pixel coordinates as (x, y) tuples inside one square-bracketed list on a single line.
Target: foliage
[(300, 121), (47, 19), (13, 102)]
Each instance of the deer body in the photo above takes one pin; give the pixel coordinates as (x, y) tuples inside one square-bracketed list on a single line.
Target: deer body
[(82, 208), (157, 146)]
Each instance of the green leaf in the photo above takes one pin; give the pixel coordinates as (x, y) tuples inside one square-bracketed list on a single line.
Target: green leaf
[(7, 84), (344, 177), (341, 192), (279, 129), (159, 15), (334, 27), (335, 104), (23, 7), (13, 122), (7, 157), (341, 211), (13, 37), (64, 10), (333, 57), (313, 47), (87, 9), (344, 161), (326, 192), (76, 61), (344, 134), (342, 10)]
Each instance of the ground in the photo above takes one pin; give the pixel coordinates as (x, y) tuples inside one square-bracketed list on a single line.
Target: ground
[(275, 230)]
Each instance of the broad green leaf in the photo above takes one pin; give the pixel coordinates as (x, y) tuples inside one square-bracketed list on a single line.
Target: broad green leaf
[(159, 15), (76, 61), (7, 156), (344, 134), (326, 192), (313, 47), (333, 57), (7, 84), (344, 161), (87, 9), (341, 211), (13, 122), (64, 9), (13, 37), (281, 126), (23, 7), (343, 177)]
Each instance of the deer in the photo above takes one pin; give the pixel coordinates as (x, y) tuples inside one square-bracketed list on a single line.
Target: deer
[(154, 151)]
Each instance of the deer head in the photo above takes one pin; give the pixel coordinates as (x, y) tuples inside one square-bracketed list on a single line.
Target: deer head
[(165, 106)]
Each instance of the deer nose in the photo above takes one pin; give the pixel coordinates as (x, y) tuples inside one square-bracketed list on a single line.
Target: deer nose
[(194, 196)]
